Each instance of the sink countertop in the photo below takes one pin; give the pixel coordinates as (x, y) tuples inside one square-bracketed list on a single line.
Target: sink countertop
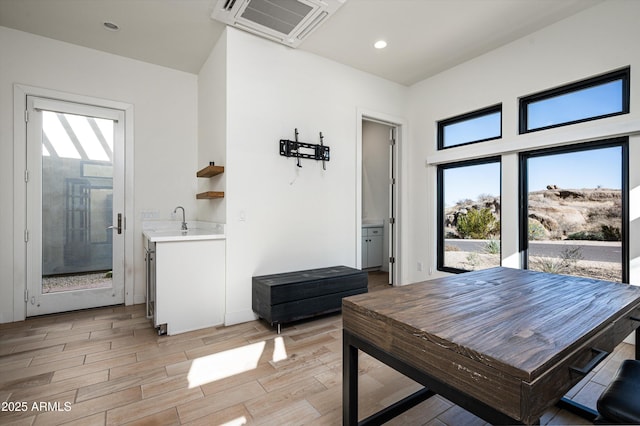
[(371, 223), (163, 231)]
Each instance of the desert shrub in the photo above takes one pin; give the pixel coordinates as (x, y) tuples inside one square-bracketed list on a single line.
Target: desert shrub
[(571, 255), (565, 264), (585, 236), (478, 224), (473, 259), (492, 247), (552, 265), (611, 233), (606, 233), (536, 230)]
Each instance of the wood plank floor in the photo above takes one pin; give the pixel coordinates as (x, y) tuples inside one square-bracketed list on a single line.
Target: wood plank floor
[(108, 366)]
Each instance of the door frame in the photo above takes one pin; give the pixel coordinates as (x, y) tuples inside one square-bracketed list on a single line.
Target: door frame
[(20, 93), (401, 130)]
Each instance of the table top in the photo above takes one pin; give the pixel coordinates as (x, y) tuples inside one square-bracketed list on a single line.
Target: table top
[(520, 322)]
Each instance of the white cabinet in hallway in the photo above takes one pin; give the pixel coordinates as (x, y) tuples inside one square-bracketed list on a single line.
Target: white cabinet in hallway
[(372, 243)]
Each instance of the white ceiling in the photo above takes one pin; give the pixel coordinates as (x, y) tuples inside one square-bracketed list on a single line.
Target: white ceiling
[(425, 37)]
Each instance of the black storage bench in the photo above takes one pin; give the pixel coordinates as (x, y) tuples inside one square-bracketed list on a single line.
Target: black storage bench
[(292, 296)]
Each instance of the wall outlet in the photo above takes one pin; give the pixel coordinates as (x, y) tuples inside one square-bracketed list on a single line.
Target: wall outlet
[(420, 266), (149, 214)]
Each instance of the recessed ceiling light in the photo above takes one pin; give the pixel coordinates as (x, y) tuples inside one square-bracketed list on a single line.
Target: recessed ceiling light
[(111, 26), (380, 44)]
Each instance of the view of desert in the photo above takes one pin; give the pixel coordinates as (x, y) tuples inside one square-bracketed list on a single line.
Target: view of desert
[(574, 232), (574, 212)]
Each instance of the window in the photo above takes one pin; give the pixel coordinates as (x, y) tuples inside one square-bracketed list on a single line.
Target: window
[(477, 126), (77, 136), (575, 210), (469, 215), (597, 97)]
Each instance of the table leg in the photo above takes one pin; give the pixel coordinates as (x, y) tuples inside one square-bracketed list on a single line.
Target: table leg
[(349, 381)]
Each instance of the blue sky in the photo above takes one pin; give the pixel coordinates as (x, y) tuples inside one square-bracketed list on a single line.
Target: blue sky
[(470, 182), (577, 170), (479, 128), (590, 102)]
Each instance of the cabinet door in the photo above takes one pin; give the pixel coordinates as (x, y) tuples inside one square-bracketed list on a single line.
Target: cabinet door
[(190, 284), (374, 251), (365, 258)]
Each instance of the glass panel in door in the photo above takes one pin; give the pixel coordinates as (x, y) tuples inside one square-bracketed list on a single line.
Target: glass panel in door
[(77, 202)]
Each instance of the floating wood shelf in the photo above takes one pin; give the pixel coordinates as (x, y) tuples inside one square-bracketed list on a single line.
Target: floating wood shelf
[(210, 195), (210, 171)]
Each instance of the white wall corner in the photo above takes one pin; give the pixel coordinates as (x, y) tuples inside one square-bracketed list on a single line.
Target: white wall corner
[(232, 318)]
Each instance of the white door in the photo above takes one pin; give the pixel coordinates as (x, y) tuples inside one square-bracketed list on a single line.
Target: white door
[(75, 206), (393, 200)]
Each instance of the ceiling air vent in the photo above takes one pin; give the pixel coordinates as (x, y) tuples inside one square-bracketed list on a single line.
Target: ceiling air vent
[(285, 21)]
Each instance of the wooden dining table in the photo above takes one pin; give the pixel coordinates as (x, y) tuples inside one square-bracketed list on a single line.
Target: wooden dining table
[(505, 344)]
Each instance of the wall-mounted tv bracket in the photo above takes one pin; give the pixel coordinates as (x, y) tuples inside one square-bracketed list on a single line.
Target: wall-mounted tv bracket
[(324, 167), (320, 152)]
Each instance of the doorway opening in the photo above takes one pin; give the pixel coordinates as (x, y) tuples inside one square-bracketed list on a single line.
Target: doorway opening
[(75, 204), (378, 201)]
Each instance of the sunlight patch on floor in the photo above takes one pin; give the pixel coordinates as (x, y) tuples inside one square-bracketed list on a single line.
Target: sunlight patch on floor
[(279, 350), (221, 365), (236, 422), (225, 364)]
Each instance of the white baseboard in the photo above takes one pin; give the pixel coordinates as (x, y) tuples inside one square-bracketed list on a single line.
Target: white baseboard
[(232, 318)]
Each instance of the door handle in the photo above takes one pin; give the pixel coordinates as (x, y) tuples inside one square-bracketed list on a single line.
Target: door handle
[(117, 227)]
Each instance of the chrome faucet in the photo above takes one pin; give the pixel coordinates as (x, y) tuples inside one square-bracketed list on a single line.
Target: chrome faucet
[(184, 223)]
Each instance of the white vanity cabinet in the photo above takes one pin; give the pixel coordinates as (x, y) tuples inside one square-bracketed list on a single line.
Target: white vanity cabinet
[(185, 281), (372, 244)]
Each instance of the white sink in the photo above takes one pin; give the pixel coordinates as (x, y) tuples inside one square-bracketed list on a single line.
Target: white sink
[(159, 231)]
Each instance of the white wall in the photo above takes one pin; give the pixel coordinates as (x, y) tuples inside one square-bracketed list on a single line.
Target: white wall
[(375, 178), (212, 129), (600, 39), (280, 217), (165, 143)]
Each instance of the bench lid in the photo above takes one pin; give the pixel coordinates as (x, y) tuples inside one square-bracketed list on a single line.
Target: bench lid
[(308, 275)]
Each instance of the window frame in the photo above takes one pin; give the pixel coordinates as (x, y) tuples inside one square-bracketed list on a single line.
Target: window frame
[(623, 74), (440, 249), (466, 117), (623, 143)]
